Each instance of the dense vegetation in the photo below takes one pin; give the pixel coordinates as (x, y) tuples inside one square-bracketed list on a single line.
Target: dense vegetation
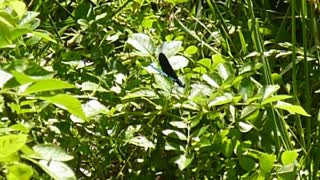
[(80, 96)]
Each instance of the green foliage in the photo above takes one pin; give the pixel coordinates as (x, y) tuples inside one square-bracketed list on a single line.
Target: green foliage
[(81, 96)]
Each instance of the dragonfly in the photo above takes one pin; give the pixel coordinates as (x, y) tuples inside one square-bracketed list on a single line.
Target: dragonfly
[(168, 70)]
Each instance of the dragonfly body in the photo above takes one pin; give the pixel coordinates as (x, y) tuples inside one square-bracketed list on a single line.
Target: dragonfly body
[(168, 70)]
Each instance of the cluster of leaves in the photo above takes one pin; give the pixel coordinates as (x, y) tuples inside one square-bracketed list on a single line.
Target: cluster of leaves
[(79, 77)]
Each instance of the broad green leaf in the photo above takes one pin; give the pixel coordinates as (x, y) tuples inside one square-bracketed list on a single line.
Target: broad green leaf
[(4, 77), (245, 127), (172, 146), (210, 81), (90, 86), (44, 35), (179, 124), (293, 109), (57, 170), (141, 141), (247, 110), (18, 6), (142, 43), (247, 163), (224, 71), (169, 48), (47, 85), (28, 19), (51, 152), (174, 134), (275, 98), (183, 161), (289, 157), (67, 102), (22, 78), (269, 90), (91, 109), (266, 162), (217, 59), (178, 62), (206, 62), (10, 144), (220, 100), (19, 171), (140, 92), (191, 50)]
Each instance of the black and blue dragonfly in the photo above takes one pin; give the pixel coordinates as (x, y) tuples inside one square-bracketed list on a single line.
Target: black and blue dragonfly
[(167, 69)]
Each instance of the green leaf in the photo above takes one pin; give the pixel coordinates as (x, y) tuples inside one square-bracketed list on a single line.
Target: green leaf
[(57, 170), (269, 90), (178, 62), (289, 157), (247, 110), (266, 162), (169, 48), (47, 85), (51, 152), (275, 98), (183, 161), (90, 86), (4, 77), (10, 144), (174, 134), (191, 50), (172, 146), (142, 43), (141, 141), (179, 124), (210, 81), (19, 171), (220, 100), (247, 163), (140, 92), (67, 102), (22, 78), (245, 127), (291, 108)]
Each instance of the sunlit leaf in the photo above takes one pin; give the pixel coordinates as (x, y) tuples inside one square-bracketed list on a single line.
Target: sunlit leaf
[(19, 171), (11, 143), (289, 157), (141, 141), (47, 85), (169, 48), (179, 124), (269, 90), (266, 162), (67, 102), (275, 98), (51, 152), (183, 161), (191, 50), (174, 134), (57, 170), (293, 109), (4, 77), (142, 43), (220, 100), (178, 62)]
